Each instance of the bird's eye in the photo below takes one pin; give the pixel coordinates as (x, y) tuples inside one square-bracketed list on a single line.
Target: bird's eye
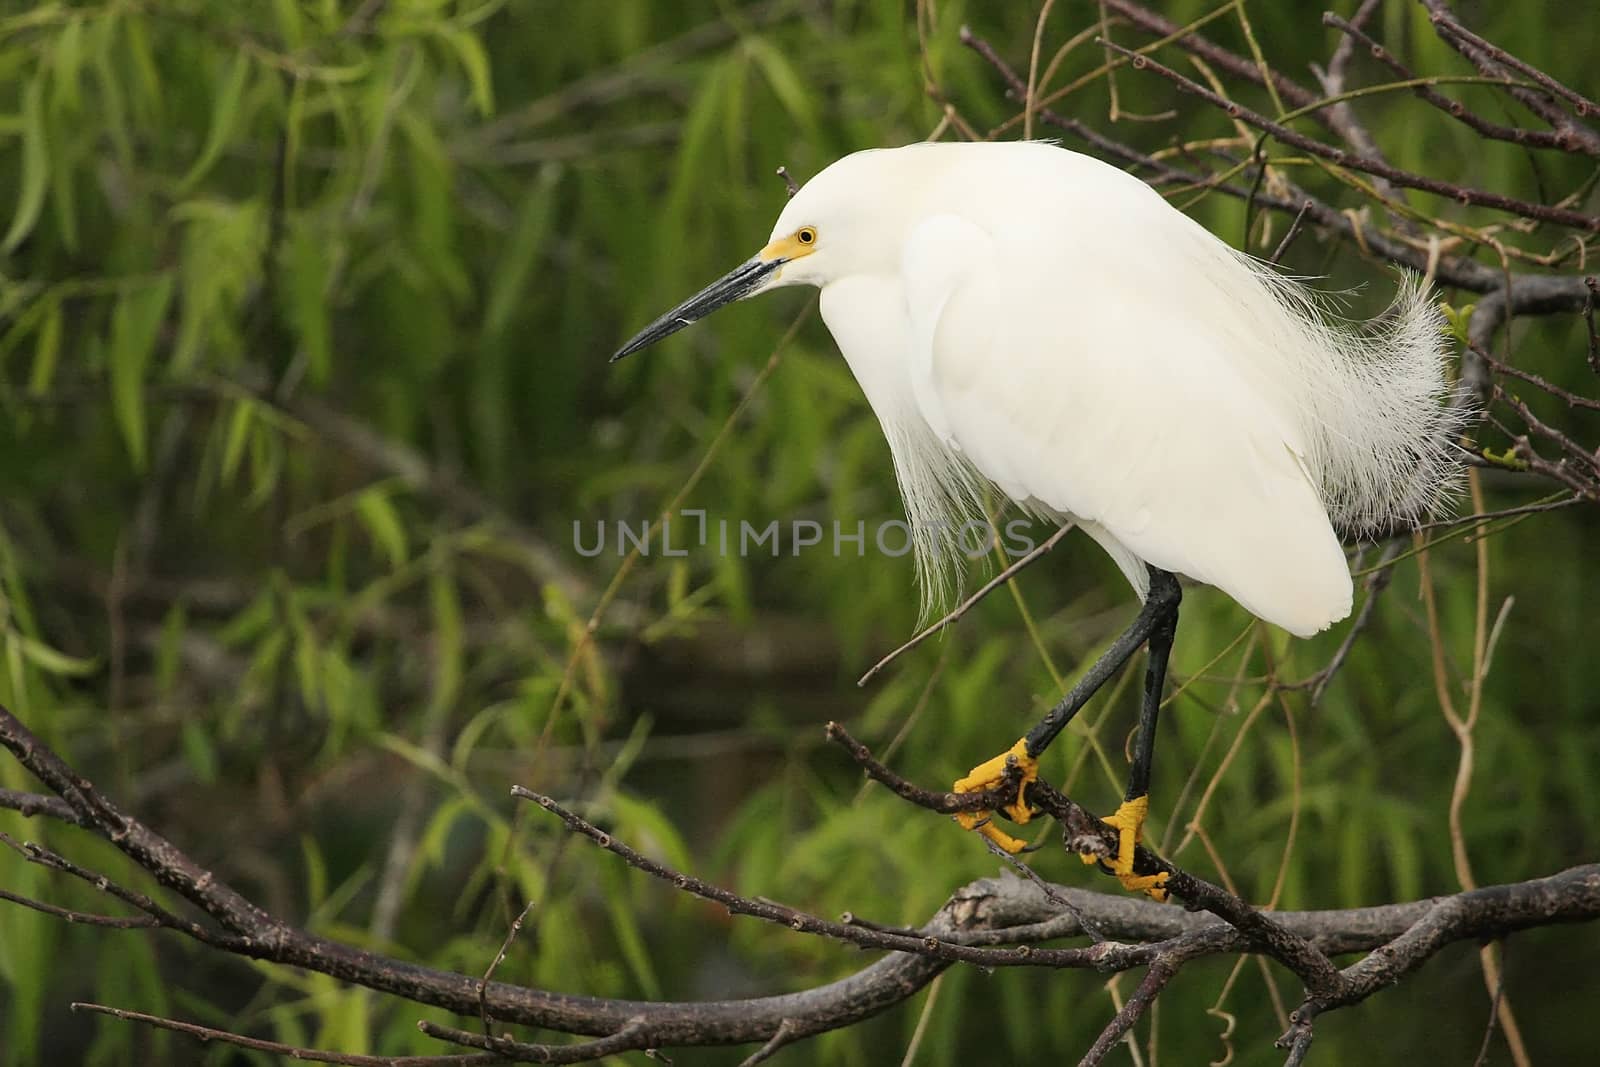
[(806, 236)]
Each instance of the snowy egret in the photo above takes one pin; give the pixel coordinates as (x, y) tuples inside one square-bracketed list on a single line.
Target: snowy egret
[(1028, 318)]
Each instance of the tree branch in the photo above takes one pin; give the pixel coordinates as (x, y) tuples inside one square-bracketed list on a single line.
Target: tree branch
[(1529, 294), (344, 1059), (988, 912), (1495, 131), (1340, 157)]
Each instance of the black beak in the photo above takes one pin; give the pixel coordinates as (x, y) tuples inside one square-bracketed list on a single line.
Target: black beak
[(738, 283)]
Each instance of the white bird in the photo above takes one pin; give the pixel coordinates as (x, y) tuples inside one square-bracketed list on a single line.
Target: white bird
[(1029, 318)]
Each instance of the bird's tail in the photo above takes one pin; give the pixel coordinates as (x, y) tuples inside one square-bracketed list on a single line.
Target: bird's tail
[(1385, 424)]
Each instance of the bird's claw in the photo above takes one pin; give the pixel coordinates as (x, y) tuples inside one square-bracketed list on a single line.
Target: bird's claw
[(1128, 820), (988, 775)]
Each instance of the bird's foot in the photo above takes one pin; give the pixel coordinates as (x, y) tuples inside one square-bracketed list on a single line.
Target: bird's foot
[(1129, 823), (990, 774)]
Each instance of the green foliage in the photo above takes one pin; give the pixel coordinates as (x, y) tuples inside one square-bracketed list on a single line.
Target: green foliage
[(304, 310)]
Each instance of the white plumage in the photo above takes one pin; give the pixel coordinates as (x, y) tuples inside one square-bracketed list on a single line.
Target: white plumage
[(1030, 316), (1023, 316)]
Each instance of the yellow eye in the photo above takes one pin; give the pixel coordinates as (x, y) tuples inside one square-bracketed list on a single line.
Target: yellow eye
[(806, 235)]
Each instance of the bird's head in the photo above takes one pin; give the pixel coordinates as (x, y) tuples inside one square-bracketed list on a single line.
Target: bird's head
[(823, 233)]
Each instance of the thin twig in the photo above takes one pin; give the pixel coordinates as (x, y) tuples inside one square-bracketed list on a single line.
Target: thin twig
[(1592, 357), (36, 853), (787, 1033), (855, 932), (1486, 62), (1290, 234), (966, 605), (1529, 294), (39, 804), (1460, 193), (504, 1047), (115, 922), (788, 181), (1582, 105), (1161, 971), (278, 1048), (1454, 108), (1571, 399)]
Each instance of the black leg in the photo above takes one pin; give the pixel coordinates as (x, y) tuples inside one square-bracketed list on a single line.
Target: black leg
[(1156, 623), (1155, 678), (1160, 611)]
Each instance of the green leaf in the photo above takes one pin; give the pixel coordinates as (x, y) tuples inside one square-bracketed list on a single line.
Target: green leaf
[(1458, 321), (290, 23), (67, 61), (447, 639), (197, 748), (35, 169), (625, 924), (238, 434), (316, 870), (221, 262), (16, 674), (786, 82), (224, 113), (306, 268), (650, 831), (169, 653), (266, 465), (475, 61), (134, 325), (41, 15), (109, 91), (51, 661), (383, 523), (63, 199), (46, 350), (509, 288), (434, 842), (306, 668)]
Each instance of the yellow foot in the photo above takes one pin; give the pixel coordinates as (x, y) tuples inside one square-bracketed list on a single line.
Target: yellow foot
[(990, 774), (1129, 822)]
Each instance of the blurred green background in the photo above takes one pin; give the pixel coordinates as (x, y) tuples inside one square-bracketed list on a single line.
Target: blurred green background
[(304, 315)]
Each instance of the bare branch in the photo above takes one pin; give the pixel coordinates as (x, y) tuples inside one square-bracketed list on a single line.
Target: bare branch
[(1460, 193), (1289, 90), (627, 1039), (1452, 30), (788, 181), (115, 922), (985, 913), (1529, 294), (1290, 234), (1161, 971), (1454, 108), (1493, 62), (1342, 115), (39, 804), (1574, 891), (277, 1048)]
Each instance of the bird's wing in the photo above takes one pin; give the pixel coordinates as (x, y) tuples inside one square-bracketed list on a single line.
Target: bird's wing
[(1071, 367)]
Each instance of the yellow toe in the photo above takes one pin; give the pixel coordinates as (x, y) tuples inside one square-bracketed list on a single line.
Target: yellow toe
[(986, 776), (1128, 820), (992, 772), (1154, 885), (981, 822)]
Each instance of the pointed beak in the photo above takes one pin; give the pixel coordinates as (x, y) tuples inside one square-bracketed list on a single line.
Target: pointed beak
[(747, 279)]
